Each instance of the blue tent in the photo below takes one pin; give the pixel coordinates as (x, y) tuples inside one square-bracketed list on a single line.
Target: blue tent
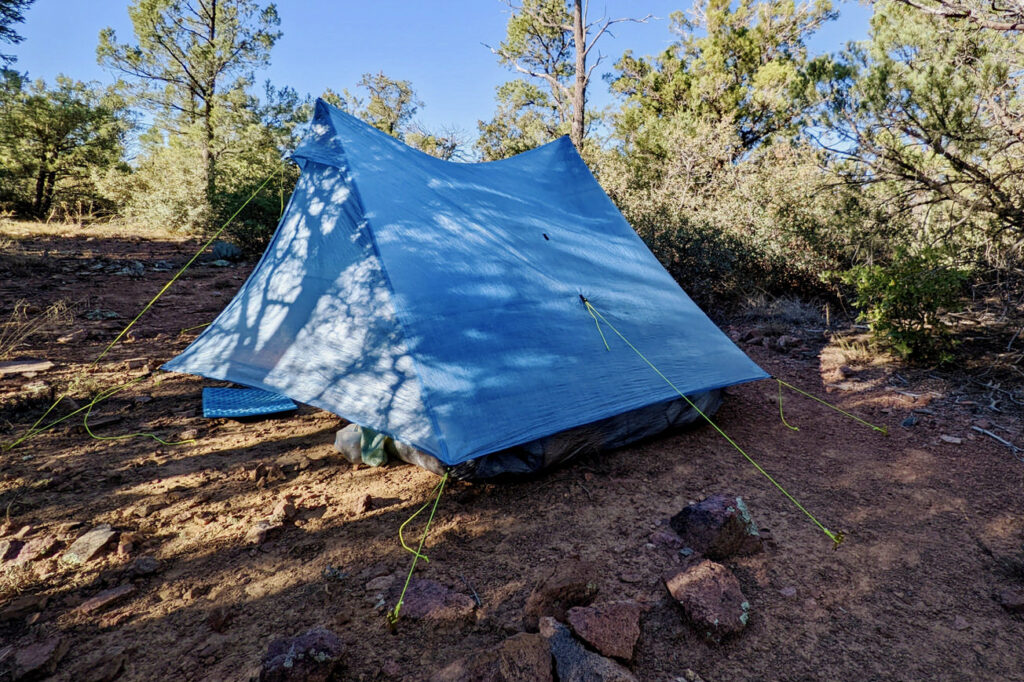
[(440, 303)]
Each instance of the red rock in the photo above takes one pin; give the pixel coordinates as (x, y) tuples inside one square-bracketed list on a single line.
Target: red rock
[(36, 548), (612, 628), (19, 607), (283, 511), (40, 659), (314, 656), (9, 549), (1012, 599), (364, 503), (521, 658), (219, 618), (667, 539), (259, 533), (105, 599), (574, 663), (571, 583), (430, 600), (718, 527), (711, 599), (90, 546)]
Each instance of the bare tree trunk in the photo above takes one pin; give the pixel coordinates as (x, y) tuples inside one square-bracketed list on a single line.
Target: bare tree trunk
[(37, 200), (579, 94), (48, 189), (207, 157)]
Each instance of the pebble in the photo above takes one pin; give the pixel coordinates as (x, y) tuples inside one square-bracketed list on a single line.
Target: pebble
[(90, 546)]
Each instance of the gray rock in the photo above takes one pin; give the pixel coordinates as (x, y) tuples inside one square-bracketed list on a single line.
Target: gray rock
[(718, 527), (90, 546), (105, 598), (711, 598), (225, 251), (145, 565), (36, 548), (573, 663), (314, 656)]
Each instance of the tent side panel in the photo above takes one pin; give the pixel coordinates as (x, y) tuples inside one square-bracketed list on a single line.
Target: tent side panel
[(315, 321)]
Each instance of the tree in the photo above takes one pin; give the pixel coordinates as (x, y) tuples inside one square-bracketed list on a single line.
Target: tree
[(526, 118), (51, 136), (11, 12), (744, 63), (1008, 16), (551, 41), (190, 56), (932, 110)]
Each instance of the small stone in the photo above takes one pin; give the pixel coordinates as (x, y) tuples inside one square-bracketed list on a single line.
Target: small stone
[(430, 600), (283, 511), (380, 584), (36, 548), (576, 664), (19, 607), (106, 666), (9, 549), (1012, 599), (364, 503), (125, 544), (523, 657), (665, 538), (258, 534), (960, 623), (145, 565), (909, 421), (24, 366), (612, 628), (711, 599), (951, 439), (218, 618), (571, 583), (718, 527), (39, 660), (692, 676), (391, 669), (105, 599), (90, 546), (788, 592), (314, 656), (149, 507)]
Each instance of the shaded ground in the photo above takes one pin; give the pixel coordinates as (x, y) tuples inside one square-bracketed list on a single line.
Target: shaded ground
[(934, 528)]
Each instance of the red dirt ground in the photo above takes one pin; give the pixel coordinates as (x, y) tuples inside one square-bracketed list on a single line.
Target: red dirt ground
[(935, 529)]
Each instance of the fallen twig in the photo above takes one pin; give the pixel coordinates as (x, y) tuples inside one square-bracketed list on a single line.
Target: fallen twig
[(1002, 440)]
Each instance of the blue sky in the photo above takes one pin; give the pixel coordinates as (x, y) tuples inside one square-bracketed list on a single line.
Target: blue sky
[(438, 45)]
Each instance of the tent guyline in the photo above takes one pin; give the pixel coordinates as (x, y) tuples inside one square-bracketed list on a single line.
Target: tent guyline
[(35, 430), (836, 537), (393, 614)]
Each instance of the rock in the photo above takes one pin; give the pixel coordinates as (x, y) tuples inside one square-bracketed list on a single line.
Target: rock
[(691, 676), (106, 666), (219, 618), (105, 598), (9, 549), (91, 545), (125, 544), (39, 660), (149, 507), (380, 584), (612, 628), (36, 548), (430, 600), (521, 658), (573, 663), (572, 583), (711, 599), (665, 538), (786, 342), (1012, 599), (19, 607), (24, 366), (364, 503), (909, 421), (960, 623), (283, 511), (225, 251), (145, 565), (314, 656), (258, 534), (267, 473), (718, 527), (788, 592), (392, 669), (951, 439)]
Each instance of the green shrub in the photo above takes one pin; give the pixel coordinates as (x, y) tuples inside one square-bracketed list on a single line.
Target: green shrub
[(903, 301)]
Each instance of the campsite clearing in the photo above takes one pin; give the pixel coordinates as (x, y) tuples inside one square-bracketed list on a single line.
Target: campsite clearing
[(258, 530)]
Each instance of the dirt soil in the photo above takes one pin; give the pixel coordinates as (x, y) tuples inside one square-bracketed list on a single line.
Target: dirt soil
[(934, 525)]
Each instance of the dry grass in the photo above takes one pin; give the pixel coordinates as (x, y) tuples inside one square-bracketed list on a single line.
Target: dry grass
[(26, 321)]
